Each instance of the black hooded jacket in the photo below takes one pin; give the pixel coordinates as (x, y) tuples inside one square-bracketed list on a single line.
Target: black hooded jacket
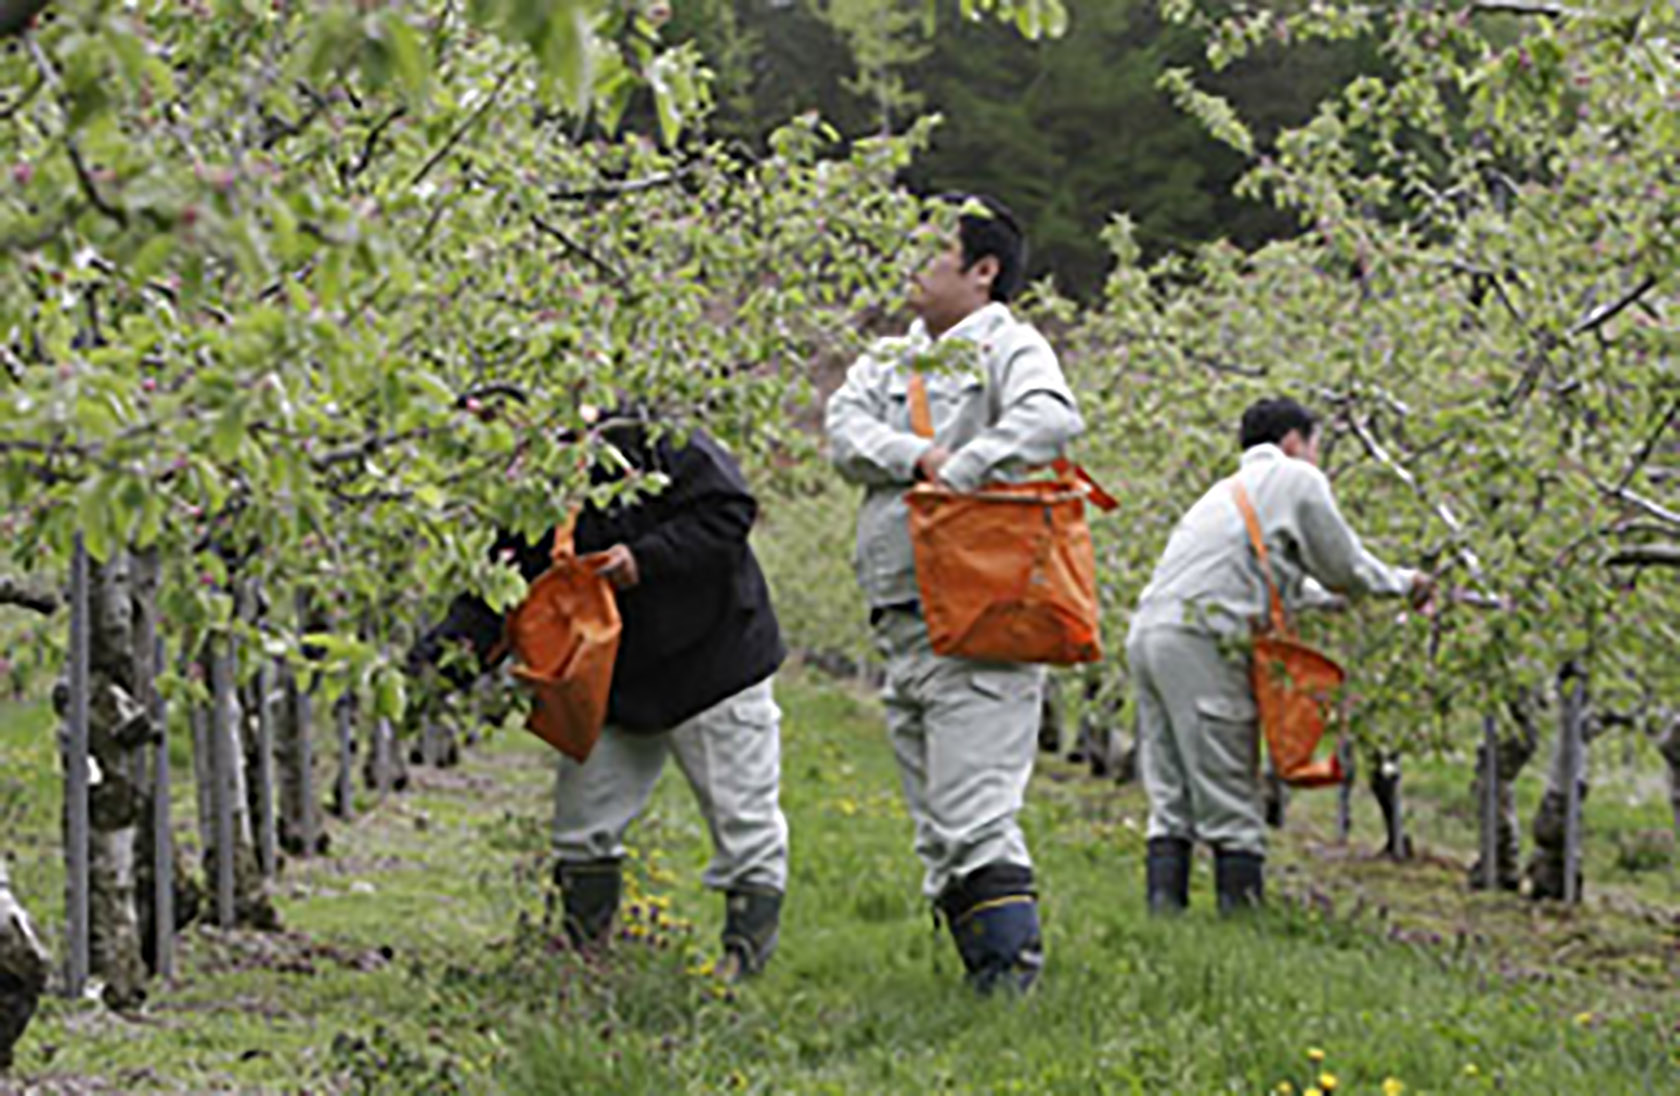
[(698, 626)]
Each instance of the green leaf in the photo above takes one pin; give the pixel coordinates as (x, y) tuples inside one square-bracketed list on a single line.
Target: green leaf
[(229, 433)]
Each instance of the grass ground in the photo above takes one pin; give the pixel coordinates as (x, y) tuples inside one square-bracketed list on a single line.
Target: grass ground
[(416, 958)]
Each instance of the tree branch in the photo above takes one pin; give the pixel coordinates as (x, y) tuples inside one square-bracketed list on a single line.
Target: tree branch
[(1528, 7), (372, 142), (1640, 502), (84, 178), (1650, 446), (27, 595), (1598, 317), (24, 98), (367, 447), (461, 130), (615, 275), (619, 190), (1440, 509), (1647, 555)]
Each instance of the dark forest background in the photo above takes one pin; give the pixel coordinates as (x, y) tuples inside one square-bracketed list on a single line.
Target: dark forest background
[(1068, 132)]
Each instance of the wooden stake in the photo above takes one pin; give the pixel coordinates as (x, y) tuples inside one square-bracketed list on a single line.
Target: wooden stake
[(76, 777)]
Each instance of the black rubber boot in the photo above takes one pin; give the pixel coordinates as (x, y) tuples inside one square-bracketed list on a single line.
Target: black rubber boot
[(751, 927), (993, 915), (1167, 872), (589, 893), (1240, 879)]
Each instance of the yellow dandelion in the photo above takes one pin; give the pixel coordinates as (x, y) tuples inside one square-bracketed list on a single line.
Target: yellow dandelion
[(1393, 1086), (847, 807), (1314, 1054), (1327, 1081), (1584, 1018), (1312, 1092), (1284, 1088), (1472, 1070)]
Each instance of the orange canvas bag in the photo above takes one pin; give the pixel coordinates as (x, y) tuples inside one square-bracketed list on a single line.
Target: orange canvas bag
[(1294, 684), (1007, 573), (564, 639)]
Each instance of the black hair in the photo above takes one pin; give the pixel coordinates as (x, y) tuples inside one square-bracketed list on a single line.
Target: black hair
[(986, 227), (1270, 421)]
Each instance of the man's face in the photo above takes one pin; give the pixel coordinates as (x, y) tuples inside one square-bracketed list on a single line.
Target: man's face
[(942, 293)]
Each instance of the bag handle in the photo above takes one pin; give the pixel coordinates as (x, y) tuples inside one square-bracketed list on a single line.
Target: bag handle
[(1280, 622), (921, 423)]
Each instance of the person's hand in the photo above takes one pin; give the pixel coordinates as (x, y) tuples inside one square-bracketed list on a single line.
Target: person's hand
[(931, 462), (1422, 593), (617, 565)]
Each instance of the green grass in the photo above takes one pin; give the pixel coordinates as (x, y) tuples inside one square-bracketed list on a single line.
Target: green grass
[(1391, 970)]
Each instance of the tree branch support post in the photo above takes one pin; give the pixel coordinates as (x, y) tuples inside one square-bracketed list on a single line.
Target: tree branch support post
[(1574, 720), (1489, 878), (223, 788), (267, 852), (76, 778), (1344, 794), (163, 840), (345, 712)]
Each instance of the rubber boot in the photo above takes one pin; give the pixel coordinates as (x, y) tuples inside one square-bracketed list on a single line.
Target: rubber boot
[(1167, 872), (751, 927), (1240, 880), (993, 916), (589, 892)]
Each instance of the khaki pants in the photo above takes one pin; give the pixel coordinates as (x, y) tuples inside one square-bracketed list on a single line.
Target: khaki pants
[(731, 756), (965, 735), (1198, 740)]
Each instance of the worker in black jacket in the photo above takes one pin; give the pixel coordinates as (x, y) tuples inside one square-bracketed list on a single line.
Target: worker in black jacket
[(699, 648)]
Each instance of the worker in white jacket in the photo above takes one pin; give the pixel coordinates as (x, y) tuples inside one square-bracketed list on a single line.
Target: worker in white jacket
[(964, 732), (1197, 723)]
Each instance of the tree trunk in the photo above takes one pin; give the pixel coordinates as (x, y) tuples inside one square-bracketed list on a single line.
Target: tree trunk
[(119, 730), (1668, 745), (1344, 792), (252, 907), (145, 577), (1548, 874), (1050, 716), (344, 784), (1386, 775), (24, 965), (1511, 758), (294, 761)]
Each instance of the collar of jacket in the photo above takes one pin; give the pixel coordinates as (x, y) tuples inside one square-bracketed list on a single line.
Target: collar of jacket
[(1263, 452), (974, 327)]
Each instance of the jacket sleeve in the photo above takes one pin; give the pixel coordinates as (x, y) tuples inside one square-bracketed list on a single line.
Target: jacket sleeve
[(864, 448), (1331, 552), (1036, 421), (470, 620), (709, 514)]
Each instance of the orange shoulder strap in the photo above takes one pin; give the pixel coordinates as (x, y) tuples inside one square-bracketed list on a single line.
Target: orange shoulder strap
[(921, 415), (565, 547), (1280, 623), (921, 421)]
